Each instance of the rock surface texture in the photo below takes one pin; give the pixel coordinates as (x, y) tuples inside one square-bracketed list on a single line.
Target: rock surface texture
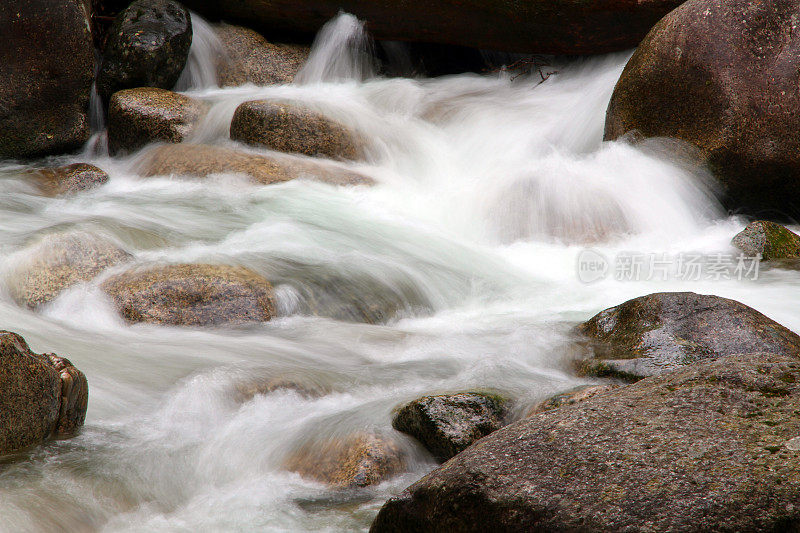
[(769, 240)]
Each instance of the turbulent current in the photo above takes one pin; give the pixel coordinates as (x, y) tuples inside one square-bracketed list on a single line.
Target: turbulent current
[(489, 190)]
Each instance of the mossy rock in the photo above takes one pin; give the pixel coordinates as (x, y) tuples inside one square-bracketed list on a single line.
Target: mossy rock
[(769, 240)]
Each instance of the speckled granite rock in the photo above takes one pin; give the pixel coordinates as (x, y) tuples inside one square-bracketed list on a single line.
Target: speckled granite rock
[(771, 240), (713, 447), (571, 397), (198, 160), (192, 295), (288, 127), (252, 59), (144, 115), (41, 395), (71, 179), (59, 261), (358, 460), (664, 331), (446, 424)]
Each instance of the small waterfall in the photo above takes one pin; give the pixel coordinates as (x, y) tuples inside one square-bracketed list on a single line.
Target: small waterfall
[(342, 51), (201, 67)]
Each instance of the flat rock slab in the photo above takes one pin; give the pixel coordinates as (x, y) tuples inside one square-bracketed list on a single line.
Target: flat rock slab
[(707, 448), (664, 331)]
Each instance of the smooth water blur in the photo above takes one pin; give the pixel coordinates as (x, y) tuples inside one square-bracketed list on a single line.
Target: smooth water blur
[(488, 188)]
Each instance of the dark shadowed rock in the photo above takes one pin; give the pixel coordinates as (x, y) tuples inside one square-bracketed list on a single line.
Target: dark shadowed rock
[(448, 423), (71, 179), (708, 448), (192, 295), (699, 76), (59, 261), (545, 27), (144, 115), (770, 240), (198, 160), (289, 128), (358, 460), (660, 332), (147, 47), (252, 59), (571, 397), (46, 72), (41, 395)]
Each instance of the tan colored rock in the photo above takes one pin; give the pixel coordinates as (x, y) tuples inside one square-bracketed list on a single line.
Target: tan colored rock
[(250, 387), (59, 261), (137, 117), (287, 127), (192, 295), (71, 178), (252, 59), (197, 160), (41, 395), (358, 460)]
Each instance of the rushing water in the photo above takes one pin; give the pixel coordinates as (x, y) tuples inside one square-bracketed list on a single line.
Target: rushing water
[(488, 189)]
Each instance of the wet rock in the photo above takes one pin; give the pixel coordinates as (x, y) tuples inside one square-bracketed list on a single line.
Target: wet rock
[(58, 262), (192, 295), (252, 59), (770, 240), (41, 395), (289, 128), (448, 423), (246, 389), (147, 47), (660, 332), (144, 115), (46, 73), (705, 448), (71, 179), (358, 460), (541, 26), (699, 76), (196, 160), (571, 397)]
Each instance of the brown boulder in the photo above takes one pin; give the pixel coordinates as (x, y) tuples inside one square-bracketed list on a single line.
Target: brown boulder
[(144, 115), (249, 58), (41, 395), (71, 178), (570, 397), (192, 295), (290, 128)]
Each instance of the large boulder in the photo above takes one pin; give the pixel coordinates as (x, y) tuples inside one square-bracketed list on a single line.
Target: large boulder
[(148, 46), (660, 332), (446, 424), (722, 76), (192, 295), (769, 240), (541, 26), (571, 397), (46, 72), (137, 117), (57, 262), (709, 448), (71, 179), (291, 128), (249, 58), (357, 460), (41, 395)]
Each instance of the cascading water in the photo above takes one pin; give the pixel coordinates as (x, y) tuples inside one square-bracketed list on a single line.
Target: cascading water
[(206, 51), (487, 191)]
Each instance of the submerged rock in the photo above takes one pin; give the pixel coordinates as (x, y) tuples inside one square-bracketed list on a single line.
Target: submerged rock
[(357, 460), (706, 448), (137, 117), (246, 389), (41, 395), (192, 295), (252, 59), (148, 46), (448, 423), (71, 179), (770, 240), (699, 76), (46, 73), (571, 397), (660, 332), (290, 128), (198, 160), (59, 261)]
